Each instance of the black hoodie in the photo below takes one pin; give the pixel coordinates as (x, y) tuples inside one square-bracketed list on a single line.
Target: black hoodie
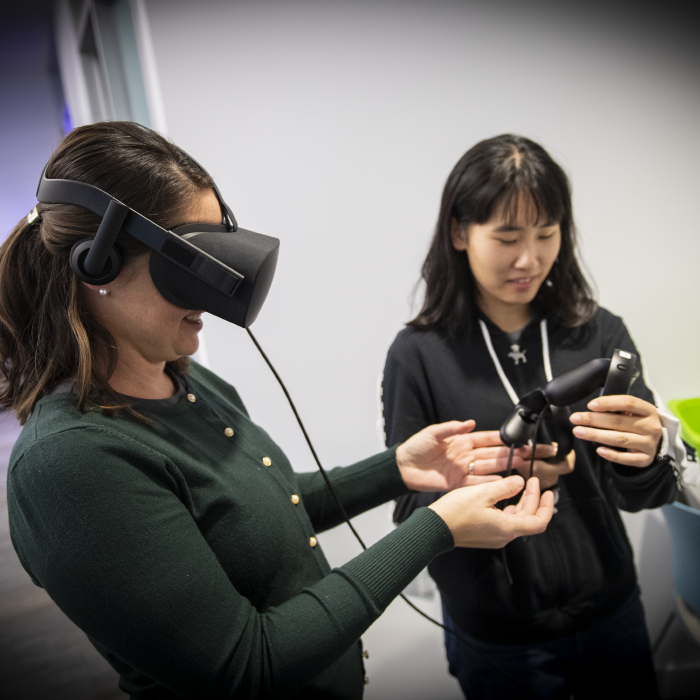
[(582, 567)]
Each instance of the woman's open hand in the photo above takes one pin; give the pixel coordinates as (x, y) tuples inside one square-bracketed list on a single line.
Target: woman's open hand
[(474, 522), (449, 455), (622, 422)]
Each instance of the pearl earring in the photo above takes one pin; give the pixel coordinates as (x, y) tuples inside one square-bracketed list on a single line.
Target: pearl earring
[(104, 292)]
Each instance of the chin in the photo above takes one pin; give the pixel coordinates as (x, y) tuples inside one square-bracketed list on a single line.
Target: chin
[(186, 349)]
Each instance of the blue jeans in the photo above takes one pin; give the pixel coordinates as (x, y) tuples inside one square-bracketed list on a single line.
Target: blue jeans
[(609, 659)]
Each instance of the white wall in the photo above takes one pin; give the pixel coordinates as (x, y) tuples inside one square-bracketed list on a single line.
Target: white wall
[(333, 125)]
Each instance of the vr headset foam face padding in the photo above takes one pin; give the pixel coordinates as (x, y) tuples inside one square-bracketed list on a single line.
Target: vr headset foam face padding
[(251, 254)]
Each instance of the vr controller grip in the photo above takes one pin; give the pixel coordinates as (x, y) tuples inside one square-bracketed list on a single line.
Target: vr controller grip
[(578, 383)]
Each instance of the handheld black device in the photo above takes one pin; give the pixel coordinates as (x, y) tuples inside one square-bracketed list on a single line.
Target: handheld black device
[(545, 407)]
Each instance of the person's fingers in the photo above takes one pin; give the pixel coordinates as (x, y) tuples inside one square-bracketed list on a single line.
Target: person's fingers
[(494, 452), (542, 451), (614, 438), (475, 522), (524, 522), (496, 491), (487, 460), (492, 465), (473, 479), (622, 402), (546, 507), (539, 465), (487, 438), (641, 425), (629, 459), (442, 431), (530, 499)]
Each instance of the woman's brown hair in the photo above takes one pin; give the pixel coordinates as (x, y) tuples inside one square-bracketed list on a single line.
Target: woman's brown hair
[(47, 333)]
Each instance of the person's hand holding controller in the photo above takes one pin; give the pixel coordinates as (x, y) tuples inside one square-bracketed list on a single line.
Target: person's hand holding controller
[(622, 423)]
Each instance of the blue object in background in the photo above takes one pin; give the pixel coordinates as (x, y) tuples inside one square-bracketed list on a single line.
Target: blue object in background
[(67, 121), (32, 118), (684, 523)]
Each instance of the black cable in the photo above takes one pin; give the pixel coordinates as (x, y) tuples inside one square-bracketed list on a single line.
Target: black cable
[(308, 440), (499, 668), (534, 441)]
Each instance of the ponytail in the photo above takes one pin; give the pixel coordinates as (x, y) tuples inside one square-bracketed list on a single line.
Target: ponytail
[(47, 333)]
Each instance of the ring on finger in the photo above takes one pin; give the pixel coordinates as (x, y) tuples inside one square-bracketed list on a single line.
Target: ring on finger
[(471, 467)]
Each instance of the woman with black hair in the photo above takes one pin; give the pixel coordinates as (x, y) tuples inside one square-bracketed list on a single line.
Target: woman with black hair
[(164, 522), (506, 309)]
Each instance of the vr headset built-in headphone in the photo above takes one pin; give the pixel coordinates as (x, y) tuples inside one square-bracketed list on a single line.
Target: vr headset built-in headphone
[(541, 416), (222, 269)]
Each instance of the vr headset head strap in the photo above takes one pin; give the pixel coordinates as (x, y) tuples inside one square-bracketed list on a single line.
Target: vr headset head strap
[(169, 245), (231, 223)]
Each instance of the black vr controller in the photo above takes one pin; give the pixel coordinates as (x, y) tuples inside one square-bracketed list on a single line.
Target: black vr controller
[(542, 417)]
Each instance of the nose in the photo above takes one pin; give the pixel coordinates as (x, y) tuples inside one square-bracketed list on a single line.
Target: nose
[(527, 256)]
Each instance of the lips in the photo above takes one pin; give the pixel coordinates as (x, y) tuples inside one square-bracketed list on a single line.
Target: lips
[(522, 280), (195, 317)]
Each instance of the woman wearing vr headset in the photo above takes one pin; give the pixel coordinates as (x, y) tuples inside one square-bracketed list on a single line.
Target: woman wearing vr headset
[(161, 520), (506, 307)]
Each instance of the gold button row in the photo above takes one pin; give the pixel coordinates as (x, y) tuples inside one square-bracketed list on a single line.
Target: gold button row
[(228, 432)]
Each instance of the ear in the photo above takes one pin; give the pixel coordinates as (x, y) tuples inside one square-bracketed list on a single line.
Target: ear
[(460, 236)]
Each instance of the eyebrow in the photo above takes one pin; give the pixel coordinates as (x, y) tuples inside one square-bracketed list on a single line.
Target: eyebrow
[(506, 228)]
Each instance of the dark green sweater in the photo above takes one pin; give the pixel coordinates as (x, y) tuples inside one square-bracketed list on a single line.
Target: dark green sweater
[(180, 551)]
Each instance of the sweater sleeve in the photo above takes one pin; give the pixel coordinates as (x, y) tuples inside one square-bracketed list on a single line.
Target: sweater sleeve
[(359, 487), (121, 555), (655, 485)]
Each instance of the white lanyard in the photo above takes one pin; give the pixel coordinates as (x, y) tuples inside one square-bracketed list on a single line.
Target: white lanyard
[(504, 380)]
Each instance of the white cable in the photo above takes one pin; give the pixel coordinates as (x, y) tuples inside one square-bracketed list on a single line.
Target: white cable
[(499, 368), (545, 350), (504, 380)]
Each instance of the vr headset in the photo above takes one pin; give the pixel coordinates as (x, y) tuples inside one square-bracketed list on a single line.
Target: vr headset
[(541, 416), (222, 269)]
